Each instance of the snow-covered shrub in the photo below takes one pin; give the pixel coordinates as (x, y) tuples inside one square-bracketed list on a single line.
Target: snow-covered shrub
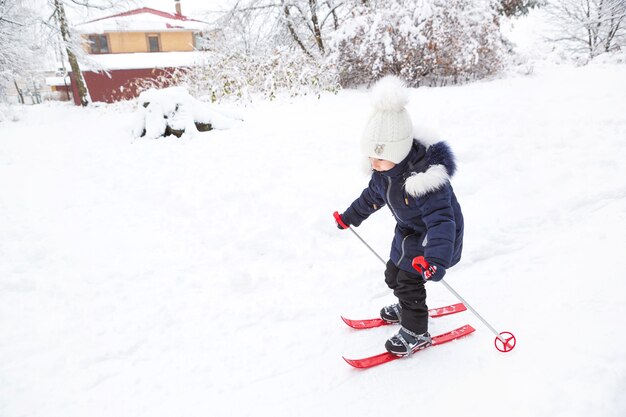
[(173, 111), (375, 43), (423, 41), (160, 79), (8, 113), (239, 76), (610, 58), (464, 40)]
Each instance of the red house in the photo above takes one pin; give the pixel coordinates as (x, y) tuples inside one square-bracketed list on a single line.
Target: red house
[(132, 49)]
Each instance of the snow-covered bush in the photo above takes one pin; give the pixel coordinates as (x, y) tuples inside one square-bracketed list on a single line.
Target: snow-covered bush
[(173, 111), (610, 58), (8, 113), (423, 41), (160, 79), (235, 75), (464, 40)]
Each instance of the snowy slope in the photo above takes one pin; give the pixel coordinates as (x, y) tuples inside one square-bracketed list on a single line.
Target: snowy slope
[(206, 276)]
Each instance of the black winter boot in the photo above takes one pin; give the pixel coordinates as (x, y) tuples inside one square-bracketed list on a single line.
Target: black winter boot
[(405, 342), (392, 313)]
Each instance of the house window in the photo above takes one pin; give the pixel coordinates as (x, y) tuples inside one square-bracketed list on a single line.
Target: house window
[(200, 42), (153, 43), (98, 44)]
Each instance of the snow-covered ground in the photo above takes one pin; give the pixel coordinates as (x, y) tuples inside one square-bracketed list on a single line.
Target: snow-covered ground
[(206, 277)]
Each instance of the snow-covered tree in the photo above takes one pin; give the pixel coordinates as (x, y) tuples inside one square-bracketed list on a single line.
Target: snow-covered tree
[(422, 41), (246, 27), (306, 24), (72, 48), (18, 49), (590, 26)]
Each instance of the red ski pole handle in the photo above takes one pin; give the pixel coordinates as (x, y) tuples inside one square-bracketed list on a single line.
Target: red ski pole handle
[(419, 263), (422, 266), (340, 220)]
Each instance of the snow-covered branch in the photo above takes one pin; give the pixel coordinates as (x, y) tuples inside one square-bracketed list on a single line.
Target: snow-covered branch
[(592, 26), (4, 19), (332, 12)]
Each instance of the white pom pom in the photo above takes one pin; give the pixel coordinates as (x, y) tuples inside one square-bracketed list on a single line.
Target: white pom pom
[(425, 135), (390, 94)]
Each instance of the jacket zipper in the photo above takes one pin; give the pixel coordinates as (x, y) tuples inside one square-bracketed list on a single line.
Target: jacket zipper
[(403, 249), (389, 199), (397, 218)]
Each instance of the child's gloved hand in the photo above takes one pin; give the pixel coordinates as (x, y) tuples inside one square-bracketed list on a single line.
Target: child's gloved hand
[(341, 221), (434, 272)]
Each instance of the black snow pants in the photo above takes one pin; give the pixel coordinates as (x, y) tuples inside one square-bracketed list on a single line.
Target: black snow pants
[(411, 293)]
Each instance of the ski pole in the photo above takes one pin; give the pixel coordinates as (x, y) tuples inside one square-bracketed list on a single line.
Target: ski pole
[(508, 339), (345, 226)]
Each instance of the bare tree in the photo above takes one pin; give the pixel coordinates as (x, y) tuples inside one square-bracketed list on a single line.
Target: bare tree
[(590, 26), (309, 20), (245, 26), (291, 26), (73, 43), (71, 47), (306, 23)]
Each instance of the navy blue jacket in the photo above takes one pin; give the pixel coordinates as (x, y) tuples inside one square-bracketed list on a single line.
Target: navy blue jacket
[(420, 197)]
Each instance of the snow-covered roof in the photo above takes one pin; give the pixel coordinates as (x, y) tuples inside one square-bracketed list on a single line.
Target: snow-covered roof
[(147, 60), (142, 20)]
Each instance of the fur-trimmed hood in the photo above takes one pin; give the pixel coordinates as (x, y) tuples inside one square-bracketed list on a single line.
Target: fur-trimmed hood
[(429, 165), (438, 167)]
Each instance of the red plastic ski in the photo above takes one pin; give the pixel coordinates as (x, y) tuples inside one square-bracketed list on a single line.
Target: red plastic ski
[(434, 312), (388, 357)]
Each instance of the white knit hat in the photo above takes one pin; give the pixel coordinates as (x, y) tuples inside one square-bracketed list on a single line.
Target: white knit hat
[(388, 131)]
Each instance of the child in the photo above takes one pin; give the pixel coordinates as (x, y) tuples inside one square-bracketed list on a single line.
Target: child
[(411, 175)]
